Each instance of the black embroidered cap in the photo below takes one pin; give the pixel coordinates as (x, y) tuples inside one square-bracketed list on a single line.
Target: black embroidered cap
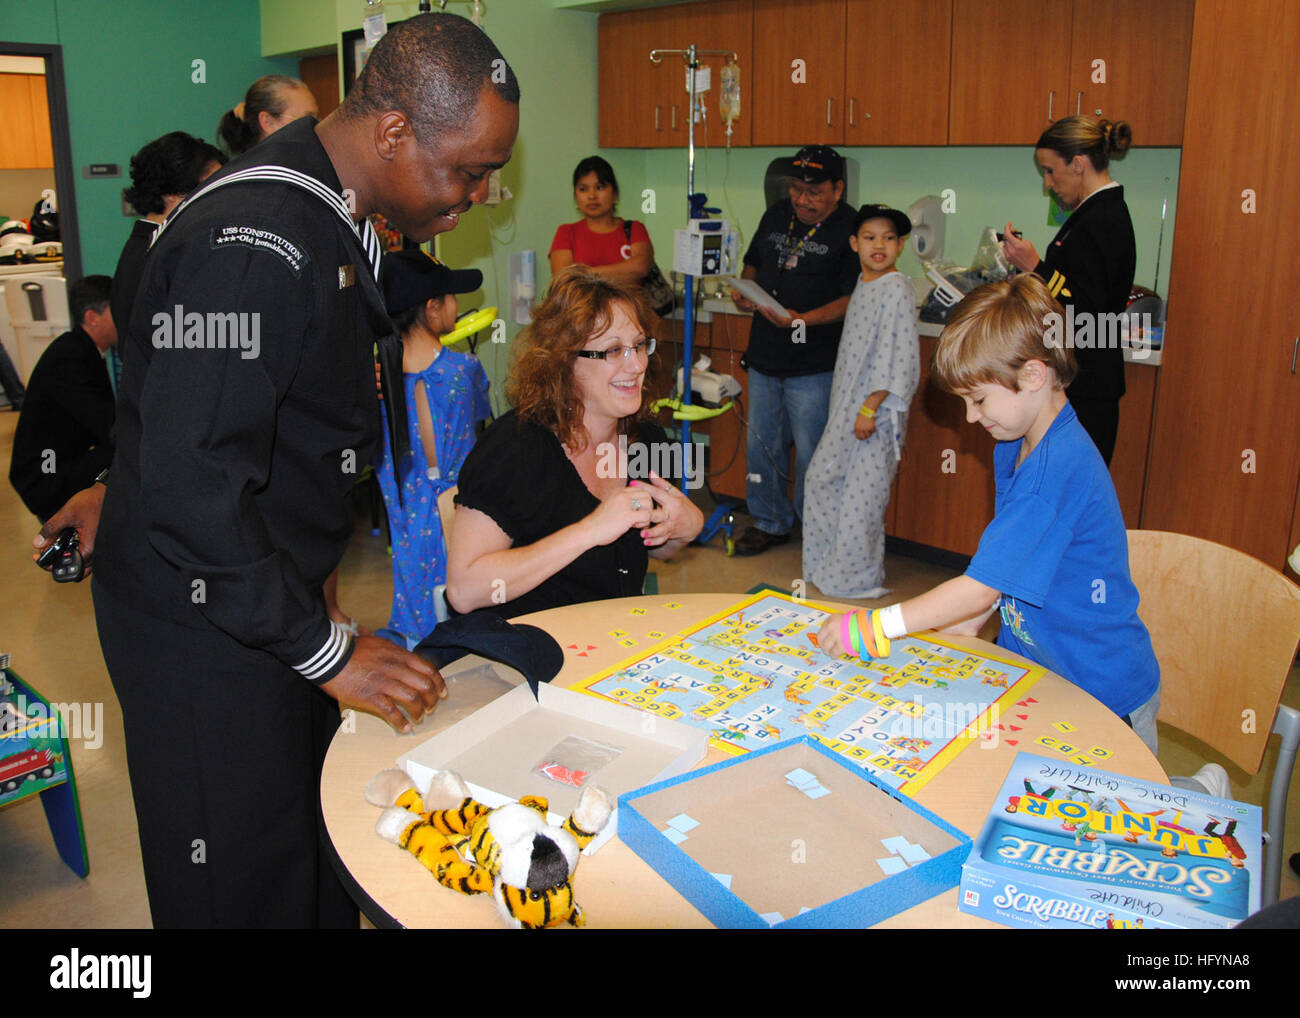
[(410, 277)]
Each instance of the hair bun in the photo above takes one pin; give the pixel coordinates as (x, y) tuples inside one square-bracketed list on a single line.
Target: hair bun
[(1119, 136), (239, 111)]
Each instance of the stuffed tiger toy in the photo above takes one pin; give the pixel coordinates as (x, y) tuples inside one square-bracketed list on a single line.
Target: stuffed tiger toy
[(510, 852)]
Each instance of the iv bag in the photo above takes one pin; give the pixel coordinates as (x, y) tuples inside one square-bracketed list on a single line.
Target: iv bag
[(729, 94)]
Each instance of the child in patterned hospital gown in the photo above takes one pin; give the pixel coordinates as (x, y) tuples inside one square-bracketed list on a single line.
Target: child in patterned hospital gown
[(446, 400), (876, 373)]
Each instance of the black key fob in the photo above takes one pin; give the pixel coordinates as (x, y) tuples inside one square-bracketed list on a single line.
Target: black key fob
[(63, 557), (68, 568)]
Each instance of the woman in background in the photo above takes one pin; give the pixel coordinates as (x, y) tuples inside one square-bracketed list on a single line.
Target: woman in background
[(162, 174), (1089, 265), (610, 247), (270, 103)]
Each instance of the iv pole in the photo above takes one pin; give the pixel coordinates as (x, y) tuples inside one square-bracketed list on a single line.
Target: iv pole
[(691, 56)]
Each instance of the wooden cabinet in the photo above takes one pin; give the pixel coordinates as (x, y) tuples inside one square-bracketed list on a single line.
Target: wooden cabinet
[(631, 112), (799, 65), (1128, 465), (1294, 541), (897, 73), (645, 105), (1128, 61), (1225, 452), (943, 496), (720, 25), (1010, 64), (900, 72), (1019, 65), (25, 141)]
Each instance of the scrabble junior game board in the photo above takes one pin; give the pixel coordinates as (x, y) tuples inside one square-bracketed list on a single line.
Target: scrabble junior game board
[(752, 677)]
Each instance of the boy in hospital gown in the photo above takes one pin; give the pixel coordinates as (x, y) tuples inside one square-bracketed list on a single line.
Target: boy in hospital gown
[(876, 373)]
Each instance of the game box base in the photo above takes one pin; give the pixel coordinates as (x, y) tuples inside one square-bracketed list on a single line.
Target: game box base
[(791, 836)]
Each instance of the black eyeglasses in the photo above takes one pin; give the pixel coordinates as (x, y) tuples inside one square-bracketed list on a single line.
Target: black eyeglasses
[(646, 347)]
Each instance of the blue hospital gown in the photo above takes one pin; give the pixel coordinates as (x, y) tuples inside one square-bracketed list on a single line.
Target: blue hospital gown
[(847, 488), (457, 391)]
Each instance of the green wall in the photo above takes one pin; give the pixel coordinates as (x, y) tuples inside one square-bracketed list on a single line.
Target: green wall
[(553, 55), (989, 185), (129, 70)]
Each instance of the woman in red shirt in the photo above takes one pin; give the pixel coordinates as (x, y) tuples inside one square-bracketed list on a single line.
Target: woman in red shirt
[(600, 240)]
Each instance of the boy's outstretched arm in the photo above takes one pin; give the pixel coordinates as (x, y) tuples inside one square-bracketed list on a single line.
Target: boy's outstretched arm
[(954, 605)]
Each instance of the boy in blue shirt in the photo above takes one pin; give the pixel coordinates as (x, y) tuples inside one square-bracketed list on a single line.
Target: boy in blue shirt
[(1055, 556), (446, 401)]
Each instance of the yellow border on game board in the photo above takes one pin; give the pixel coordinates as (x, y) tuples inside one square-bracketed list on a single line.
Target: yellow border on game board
[(956, 744)]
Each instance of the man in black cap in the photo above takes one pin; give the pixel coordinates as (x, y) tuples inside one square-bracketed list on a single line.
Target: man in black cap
[(446, 402), (800, 254)]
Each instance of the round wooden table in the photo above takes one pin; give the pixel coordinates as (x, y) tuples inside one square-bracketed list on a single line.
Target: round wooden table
[(614, 886)]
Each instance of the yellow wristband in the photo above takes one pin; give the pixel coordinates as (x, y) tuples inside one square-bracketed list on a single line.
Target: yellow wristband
[(878, 631), (866, 411)]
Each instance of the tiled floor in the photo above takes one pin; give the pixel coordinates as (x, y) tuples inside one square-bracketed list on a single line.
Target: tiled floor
[(49, 630)]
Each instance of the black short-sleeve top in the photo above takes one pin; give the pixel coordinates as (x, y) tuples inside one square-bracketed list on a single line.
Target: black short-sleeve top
[(519, 475)]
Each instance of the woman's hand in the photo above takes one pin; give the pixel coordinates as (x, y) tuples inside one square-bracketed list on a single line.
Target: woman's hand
[(627, 508), (675, 517), (1021, 253)]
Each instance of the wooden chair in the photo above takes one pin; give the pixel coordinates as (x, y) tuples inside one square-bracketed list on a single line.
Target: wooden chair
[(1225, 628)]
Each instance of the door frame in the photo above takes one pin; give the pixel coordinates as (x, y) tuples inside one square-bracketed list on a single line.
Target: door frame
[(61, 139)]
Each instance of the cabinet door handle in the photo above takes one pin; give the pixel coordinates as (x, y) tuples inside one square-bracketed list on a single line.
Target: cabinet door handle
[(657, 127), (1295, 348), (1050, 97), (1078, 104), (851, 121), (828, 112), (673, 125)]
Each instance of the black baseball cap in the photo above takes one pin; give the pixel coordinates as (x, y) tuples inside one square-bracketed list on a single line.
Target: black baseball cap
[(816, 163), (411, 277), (901, 223)]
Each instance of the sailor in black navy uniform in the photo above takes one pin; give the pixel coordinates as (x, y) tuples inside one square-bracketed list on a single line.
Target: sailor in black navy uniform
[(1089, 265), (247, 411)]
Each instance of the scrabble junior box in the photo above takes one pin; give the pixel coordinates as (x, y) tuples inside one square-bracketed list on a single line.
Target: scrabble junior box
[(1069, 846)]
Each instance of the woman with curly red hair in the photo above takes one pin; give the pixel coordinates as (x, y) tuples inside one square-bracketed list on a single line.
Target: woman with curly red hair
[(547, 515)]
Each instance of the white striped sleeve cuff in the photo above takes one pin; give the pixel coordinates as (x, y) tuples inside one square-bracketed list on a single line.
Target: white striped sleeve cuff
[(332, 653)]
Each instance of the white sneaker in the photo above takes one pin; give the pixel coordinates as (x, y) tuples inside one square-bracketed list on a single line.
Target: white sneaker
[(1214, 779)]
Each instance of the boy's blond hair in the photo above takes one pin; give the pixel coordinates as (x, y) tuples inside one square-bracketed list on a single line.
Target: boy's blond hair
[(995, 331)]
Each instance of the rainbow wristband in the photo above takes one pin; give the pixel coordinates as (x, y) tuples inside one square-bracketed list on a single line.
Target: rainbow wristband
[(855, 633), (864, 624), (878, 630)]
